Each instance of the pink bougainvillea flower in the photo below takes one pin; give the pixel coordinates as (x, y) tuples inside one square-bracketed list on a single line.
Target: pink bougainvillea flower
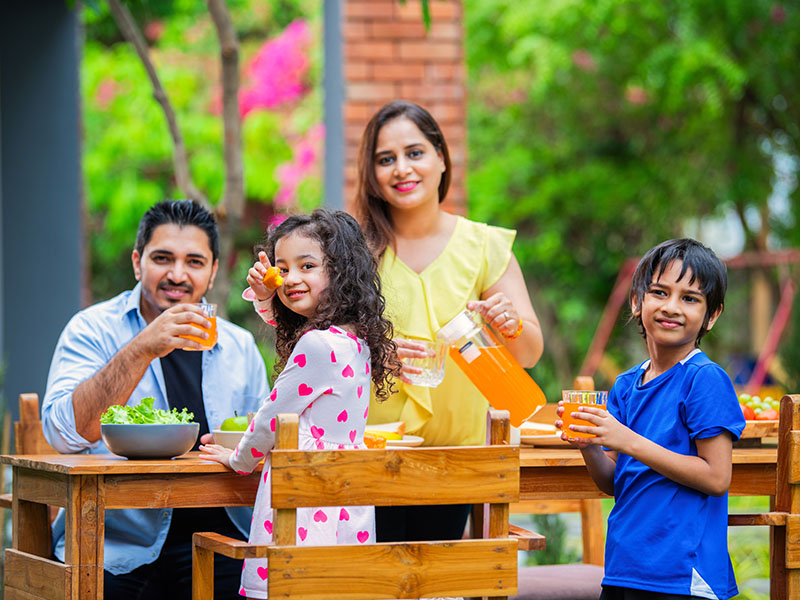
[(305, 158), (105, 94), (277, 73)]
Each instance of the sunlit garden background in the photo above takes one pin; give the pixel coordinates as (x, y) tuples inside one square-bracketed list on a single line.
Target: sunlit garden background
[(595, 129)]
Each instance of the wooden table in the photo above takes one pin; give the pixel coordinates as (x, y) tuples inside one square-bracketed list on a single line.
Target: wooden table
[(551, 473), (85, 485)]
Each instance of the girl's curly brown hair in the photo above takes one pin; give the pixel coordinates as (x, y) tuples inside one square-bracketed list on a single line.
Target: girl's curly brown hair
[(353, 296)]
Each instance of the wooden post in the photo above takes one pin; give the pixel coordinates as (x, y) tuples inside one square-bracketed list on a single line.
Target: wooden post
[(202, 573), (285, 532), (499, 433)]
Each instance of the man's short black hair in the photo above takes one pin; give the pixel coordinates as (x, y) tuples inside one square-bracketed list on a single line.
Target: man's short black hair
[(181, 213), (707, 269)]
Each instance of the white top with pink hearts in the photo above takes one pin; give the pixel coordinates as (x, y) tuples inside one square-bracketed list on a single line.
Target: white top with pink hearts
[(326, 381)]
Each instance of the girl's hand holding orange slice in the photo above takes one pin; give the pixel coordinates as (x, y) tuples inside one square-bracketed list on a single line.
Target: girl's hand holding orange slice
[(272, 279)]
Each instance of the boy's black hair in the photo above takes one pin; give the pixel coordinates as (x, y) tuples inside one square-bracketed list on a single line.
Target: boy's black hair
[(353, 296), (707, 269), (181, 213)]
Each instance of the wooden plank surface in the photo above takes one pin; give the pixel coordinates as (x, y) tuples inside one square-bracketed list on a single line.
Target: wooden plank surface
[(760, 429), (410, 476), (111, 464), (413, 570), (41, 486), (181, 490), (35, 575)]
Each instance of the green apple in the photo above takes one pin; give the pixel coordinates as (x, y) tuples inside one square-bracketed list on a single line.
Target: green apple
[(235, 423)]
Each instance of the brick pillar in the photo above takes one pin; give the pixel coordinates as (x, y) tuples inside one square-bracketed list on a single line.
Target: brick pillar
[(389, 56)]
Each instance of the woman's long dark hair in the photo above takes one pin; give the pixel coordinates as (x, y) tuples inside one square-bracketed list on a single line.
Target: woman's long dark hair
[(370, 207), (353, 296)]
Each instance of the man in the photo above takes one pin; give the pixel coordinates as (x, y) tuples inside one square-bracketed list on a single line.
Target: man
[(130, 347)]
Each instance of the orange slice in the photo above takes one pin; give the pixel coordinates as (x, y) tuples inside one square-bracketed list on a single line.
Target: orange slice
[(272, 280)]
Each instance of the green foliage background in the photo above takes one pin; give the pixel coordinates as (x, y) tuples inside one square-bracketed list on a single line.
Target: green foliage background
[(600, 128), (127, 158)]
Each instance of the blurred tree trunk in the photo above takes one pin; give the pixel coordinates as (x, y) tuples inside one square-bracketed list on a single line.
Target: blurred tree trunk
[(230, 210)]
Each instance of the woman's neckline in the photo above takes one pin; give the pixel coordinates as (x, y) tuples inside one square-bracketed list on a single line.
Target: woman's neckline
[(456, 223)]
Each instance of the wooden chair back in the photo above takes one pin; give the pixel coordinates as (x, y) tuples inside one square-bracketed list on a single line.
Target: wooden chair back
[(29, 439), (391, 477), (28, 434)]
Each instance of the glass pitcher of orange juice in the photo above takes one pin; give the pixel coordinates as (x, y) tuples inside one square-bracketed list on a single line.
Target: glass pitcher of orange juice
[(490, 367)]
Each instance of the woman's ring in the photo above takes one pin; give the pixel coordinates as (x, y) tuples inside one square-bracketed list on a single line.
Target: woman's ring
[(505, 316)]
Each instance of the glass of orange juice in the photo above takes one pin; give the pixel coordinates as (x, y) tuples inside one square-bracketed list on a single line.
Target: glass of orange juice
[(210, 313), (572, 401)]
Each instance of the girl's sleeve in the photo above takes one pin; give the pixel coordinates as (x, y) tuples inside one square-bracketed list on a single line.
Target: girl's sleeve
[(304, 379), (263, 308), (711, 405)]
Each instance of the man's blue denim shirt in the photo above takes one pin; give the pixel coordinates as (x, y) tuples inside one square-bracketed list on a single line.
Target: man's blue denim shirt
[(234, 378)]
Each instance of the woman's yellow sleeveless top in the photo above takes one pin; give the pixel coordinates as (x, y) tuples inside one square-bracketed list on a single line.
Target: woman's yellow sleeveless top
[(419, 304)]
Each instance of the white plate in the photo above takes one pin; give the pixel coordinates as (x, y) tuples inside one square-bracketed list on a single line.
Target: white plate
[(543, 440), (408, 441)]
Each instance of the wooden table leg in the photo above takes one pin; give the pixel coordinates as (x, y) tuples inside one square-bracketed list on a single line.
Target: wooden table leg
[(85, 526)]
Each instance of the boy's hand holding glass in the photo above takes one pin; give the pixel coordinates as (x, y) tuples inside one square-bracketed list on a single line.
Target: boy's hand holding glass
[(580, 414)]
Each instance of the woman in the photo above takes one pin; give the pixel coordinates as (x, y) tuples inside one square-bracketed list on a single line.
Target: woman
[(434, 264)]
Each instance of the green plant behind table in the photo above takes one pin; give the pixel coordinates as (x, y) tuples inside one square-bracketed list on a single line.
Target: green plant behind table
[(598, 129)]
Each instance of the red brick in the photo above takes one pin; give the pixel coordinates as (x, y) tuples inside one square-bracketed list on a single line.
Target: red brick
[(353, 131), (433, 91), (370, 91), (355, 31), (356, 70), (396, 30), (448, 112), (451, 9), (444, 30), (454, 133), (432, 51), (412, 10), (445, 71), (370, 50), (357, 111), (405, 71), (368, 9)]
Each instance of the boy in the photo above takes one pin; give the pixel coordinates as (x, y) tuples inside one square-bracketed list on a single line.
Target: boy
[(664, 446)]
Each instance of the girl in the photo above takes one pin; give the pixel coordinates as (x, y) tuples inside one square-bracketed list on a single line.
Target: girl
[(432, 265), (332, 341)]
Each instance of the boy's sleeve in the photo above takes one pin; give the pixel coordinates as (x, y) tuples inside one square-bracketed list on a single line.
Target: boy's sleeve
[(711, 405)]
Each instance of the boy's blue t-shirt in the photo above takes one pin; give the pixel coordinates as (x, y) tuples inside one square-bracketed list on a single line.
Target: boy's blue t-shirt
[(664, 536)]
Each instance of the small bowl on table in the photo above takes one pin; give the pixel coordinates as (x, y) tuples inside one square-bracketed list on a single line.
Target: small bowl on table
[(227, 438), (150, 440)]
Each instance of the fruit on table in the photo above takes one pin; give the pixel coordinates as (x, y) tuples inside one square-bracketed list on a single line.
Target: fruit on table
[(272, 279), (374, 441), (386, 435), (759, 405), (769, 414), (235, 423), (748, 413)]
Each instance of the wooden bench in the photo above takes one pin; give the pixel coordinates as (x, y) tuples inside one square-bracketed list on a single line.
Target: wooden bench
[(391, 477)]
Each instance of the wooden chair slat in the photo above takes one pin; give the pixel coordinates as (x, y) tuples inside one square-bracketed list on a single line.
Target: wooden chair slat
[(228, 546), (403, 570), (395, 477), (527, 540), (771, 519), (39, 577)]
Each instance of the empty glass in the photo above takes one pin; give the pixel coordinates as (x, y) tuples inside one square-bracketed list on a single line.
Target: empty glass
[(432, 366)]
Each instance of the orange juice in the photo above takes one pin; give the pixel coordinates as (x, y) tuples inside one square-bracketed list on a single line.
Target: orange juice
[(501, 380), (207, 344), (567, 419)]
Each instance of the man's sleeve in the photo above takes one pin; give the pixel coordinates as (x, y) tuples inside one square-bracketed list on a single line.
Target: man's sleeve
[(79, 354)]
